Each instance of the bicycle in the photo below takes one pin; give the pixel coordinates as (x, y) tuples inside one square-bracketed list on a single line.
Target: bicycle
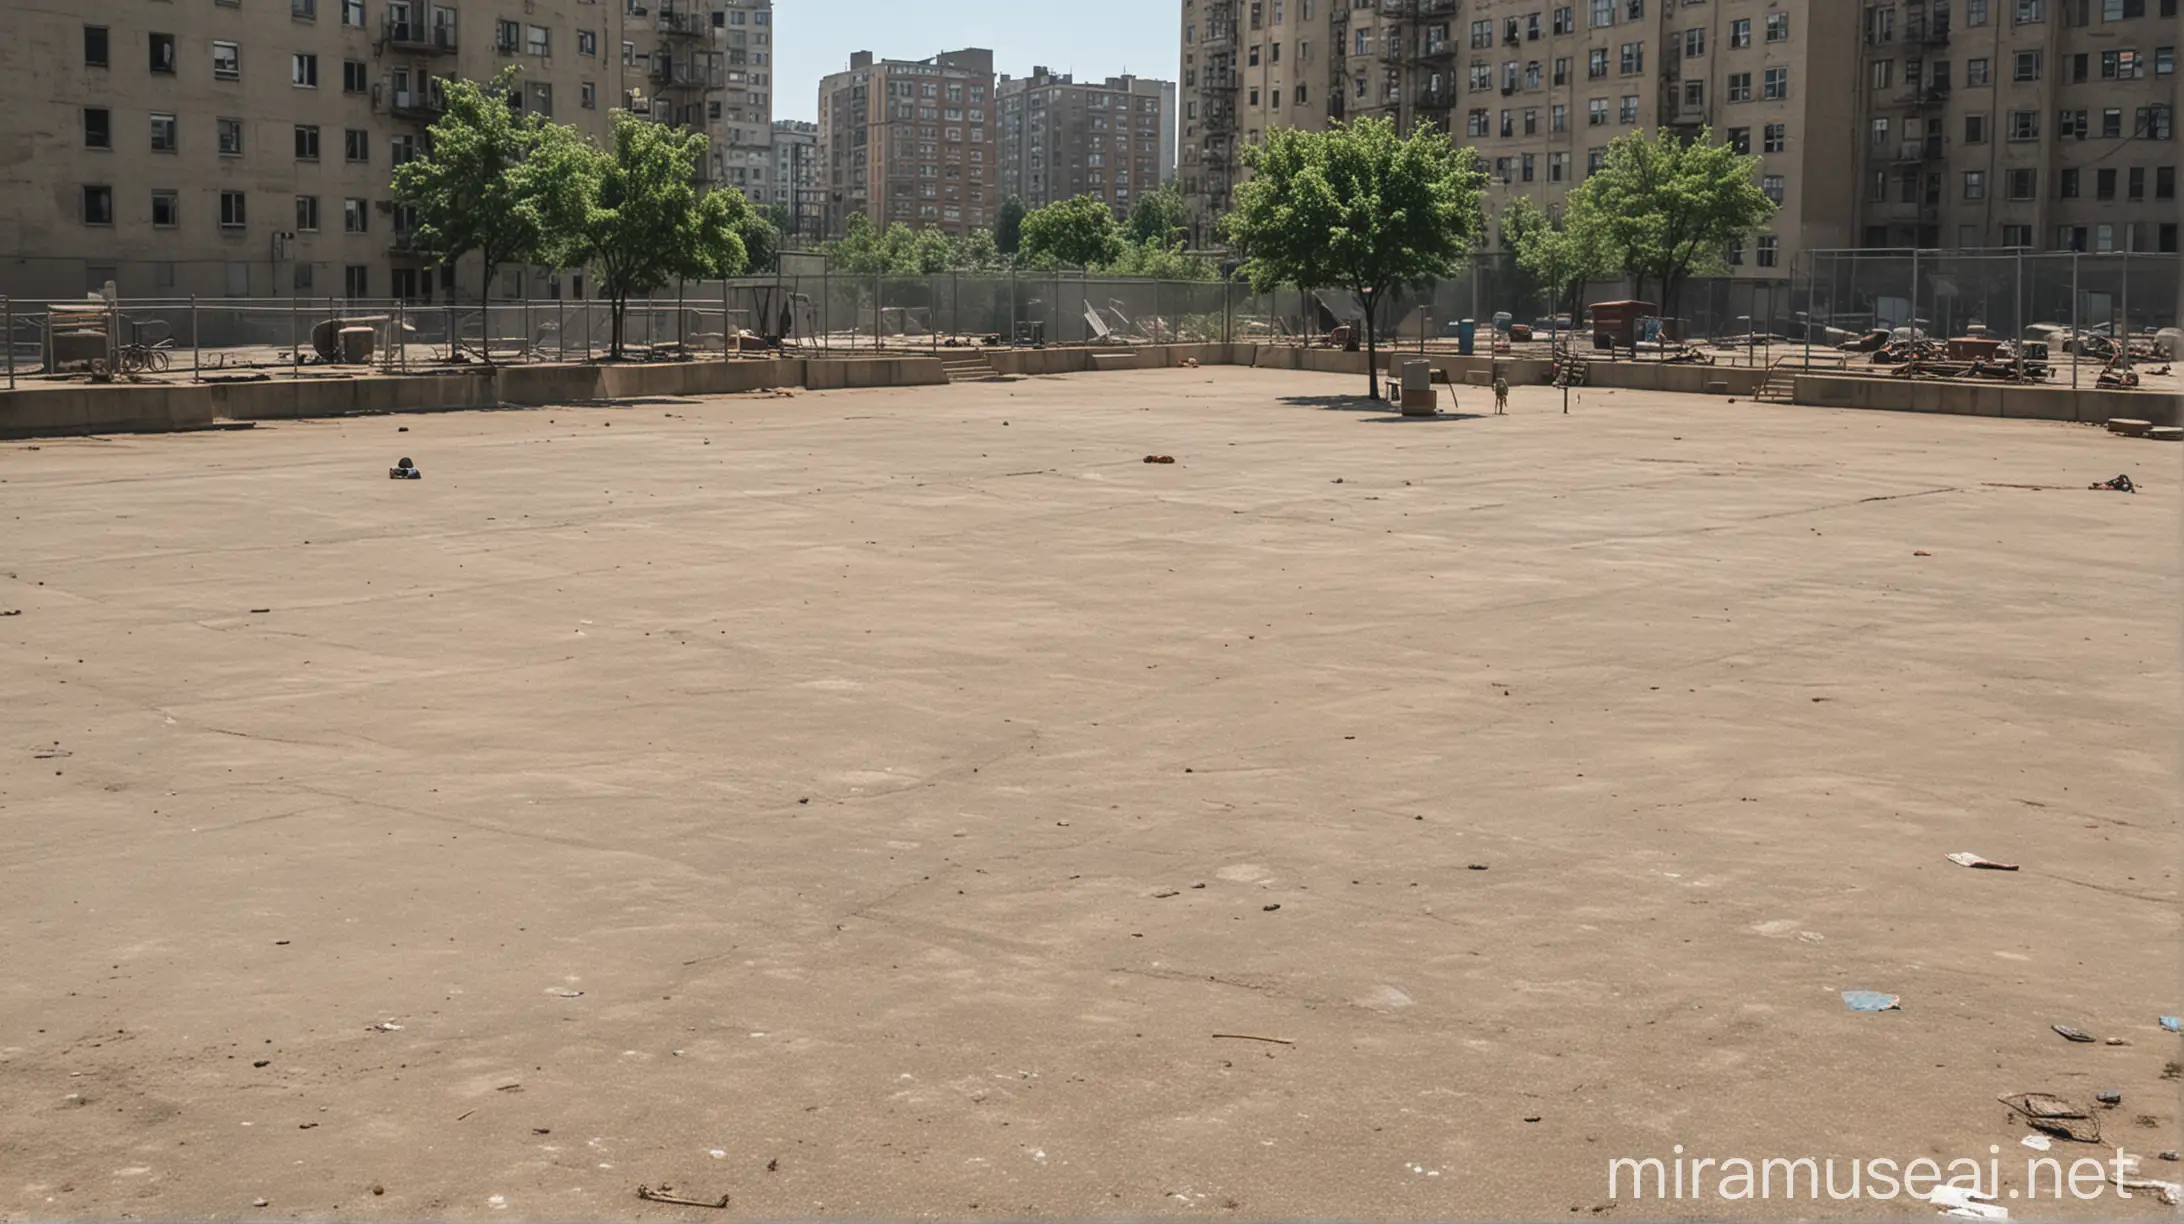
[(134, 358)]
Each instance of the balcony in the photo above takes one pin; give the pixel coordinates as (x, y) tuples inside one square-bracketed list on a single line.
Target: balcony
[(417, 105), (1221, 79), (669, 74), (681, 21), (1912, 151), (416, 38)]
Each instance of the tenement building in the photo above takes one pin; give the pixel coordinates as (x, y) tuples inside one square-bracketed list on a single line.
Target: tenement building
[(910, 141), (215, 148), (1061, 138)]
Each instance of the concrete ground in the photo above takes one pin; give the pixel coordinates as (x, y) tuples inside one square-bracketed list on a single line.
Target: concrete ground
[(886, 804)]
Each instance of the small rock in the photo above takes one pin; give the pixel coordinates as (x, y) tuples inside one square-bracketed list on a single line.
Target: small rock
[(260, 1202), (2169, 1155), (1271, 908), (378, 1189), (2109, 1096), (263, 1062), (1474, 866)]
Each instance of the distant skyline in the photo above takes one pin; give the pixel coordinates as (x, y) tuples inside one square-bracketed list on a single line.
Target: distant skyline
[(1095, 39)]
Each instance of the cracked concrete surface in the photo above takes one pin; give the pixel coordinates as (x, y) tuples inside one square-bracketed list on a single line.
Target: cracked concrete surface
[(903, 779)]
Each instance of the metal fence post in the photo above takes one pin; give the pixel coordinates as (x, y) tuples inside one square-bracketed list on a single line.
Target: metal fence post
[(826, 310), (2123, 333), (400, 340), (561, 322), (2077, 345), (295, 346), (8, 304)]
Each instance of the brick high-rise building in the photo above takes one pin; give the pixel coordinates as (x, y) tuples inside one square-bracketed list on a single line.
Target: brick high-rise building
[(1538, 87), (910, 141), (2047, 124), (1061, 138), (795, 185)]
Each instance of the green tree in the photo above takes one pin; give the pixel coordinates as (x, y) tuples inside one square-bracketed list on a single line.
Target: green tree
[(1670, 207), (1158, 216), (761, 236), (1008, 226), (1359, 207), (1161, 262), (490, 181), (1566, 252), (646, 225), (1079, 233)]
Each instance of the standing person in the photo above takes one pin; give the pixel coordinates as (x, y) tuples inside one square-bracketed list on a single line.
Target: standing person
[(1501, 394)]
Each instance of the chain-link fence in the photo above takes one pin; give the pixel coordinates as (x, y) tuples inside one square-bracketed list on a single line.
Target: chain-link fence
[(1834, 297)]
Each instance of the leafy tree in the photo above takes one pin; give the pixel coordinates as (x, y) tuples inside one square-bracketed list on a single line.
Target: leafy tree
[(1158, 216), (761, 236), (1567, 252), (1161, 262), (1359, 207), (1669, 208), (976, 252), (479, 187), (646, 225), (1080, 233), (1008, 226)]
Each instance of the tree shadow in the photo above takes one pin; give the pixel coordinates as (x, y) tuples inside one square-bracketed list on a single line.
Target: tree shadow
[(1364, 403)]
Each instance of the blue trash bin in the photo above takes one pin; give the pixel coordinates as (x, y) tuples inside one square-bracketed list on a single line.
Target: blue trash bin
[(1467, 333)]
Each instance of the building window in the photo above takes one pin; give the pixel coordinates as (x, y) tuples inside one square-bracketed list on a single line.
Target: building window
[(538, 40), (307, 142), (2031, 11), (356, 281), (303, 10), (1975, 184), (1596, 113), (162, 49), (1740, 140), (306, 213), (1881, 74), (303, 71), (356, 216), (2153, 122), (98, 128), (356, 145), (1740, 32), (1775, 85), (2066, 183), (166, 209), (1740, 87), (95, 49), (227, 61), (98, 205), (352, 14), (2024, 125), (1880, 131), (1770, 250), (2027, 66), (1632, 57), (587, 95), (1778, 27), (231, 210), (2165, 182), (1596, 63), (1627, 112), (1694, 42), (1975, 129), (1778, 138), (230, 133), (1774, 185), (163, 132), (2024, 184), (2104, 183)]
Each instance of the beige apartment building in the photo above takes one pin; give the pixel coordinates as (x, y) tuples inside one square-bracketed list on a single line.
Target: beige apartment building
[(2047, 124), (910, 141), (1539, 89), (1061, 138), (232, 148), (795, 185)]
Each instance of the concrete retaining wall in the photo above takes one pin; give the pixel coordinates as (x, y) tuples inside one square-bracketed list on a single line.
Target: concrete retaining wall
[(1997, 400), (82, 408)]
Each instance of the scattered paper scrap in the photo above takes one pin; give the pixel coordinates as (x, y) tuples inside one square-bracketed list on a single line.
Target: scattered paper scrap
[(1965, 858)]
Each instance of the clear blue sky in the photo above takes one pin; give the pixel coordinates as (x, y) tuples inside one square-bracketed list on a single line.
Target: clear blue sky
[(1091, 38)]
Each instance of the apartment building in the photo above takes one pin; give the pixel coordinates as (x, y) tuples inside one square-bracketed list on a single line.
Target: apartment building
[(795, 186), (910, 141), (1060, 138), (2047, 124), (738, 119), (232, 148), (1539, 88)]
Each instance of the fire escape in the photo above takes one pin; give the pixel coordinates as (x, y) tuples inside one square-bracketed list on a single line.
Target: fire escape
[(1924, 101), (1418, 64), (1219, 151), (686, 71)]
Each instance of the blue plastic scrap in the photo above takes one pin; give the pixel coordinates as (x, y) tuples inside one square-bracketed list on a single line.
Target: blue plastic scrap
[(1871, 1001), (2173, 1024)]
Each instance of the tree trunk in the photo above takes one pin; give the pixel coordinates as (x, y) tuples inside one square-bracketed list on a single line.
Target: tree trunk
[(1372, 346), (617, 306)]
